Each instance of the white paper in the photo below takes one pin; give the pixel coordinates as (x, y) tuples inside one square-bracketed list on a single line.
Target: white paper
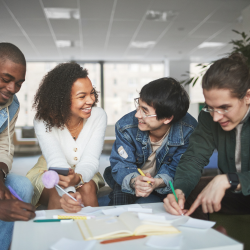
[(68, 244), (140, 210), (196, 223), (130, 206), (165, 242), (114, 211), (40, 214), (90, 210)]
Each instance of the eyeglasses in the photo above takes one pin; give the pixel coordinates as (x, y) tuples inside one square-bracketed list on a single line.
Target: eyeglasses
[(219, 111), (138, 108)]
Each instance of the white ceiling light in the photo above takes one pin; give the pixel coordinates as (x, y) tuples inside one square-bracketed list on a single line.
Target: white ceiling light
[(210, 45), (62, 13), (142, 45), (63, 43), (153, 15)]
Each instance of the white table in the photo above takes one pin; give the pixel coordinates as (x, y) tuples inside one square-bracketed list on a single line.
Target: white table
[(40, 236)]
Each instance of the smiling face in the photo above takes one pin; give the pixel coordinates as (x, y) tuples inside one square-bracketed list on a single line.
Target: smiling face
[(82, 98), (222, 99), (12, 76), (149, 123)]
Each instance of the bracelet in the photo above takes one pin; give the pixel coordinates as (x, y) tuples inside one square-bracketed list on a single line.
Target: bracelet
[(4, 174), (80, 184)]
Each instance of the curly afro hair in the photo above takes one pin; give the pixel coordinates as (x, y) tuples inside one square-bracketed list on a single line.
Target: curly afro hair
[(53, 97)]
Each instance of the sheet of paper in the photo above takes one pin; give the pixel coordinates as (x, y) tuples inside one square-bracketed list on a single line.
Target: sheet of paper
[(67, 244), (90, 210), (196, 223), (164, 218), (40, 214), (165, 242), (114, 211), (140, 210), (130, 206)]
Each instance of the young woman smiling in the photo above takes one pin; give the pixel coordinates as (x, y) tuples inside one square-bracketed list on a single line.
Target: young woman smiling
[(70, 131), (224, 124)]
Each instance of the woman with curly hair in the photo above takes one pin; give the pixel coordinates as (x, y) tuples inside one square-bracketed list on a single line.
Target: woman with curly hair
[(70, 131)]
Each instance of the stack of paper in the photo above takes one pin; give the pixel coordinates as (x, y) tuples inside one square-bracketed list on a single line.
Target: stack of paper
[(174, 220)]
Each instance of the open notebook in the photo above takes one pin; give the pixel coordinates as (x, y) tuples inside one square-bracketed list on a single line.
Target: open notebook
[(126, 224)]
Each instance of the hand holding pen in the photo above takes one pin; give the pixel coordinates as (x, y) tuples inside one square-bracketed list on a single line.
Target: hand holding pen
[(174, 203)]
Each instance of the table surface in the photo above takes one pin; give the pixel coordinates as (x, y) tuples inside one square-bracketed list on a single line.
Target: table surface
[(40, 236)]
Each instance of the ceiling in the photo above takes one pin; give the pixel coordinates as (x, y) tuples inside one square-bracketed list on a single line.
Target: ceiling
[(107, 28)]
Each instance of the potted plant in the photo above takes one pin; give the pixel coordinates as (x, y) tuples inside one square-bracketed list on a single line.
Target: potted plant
[(240, 46)]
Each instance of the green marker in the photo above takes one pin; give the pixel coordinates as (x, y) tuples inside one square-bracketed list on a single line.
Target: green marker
[(172, 187)]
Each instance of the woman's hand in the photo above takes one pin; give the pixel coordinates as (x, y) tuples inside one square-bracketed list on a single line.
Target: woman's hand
[(71, 179), (69, 205)]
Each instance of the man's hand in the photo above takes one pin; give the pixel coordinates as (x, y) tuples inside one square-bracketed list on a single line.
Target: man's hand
[(142, 188), (5, 192), (71, 179), (211, 196), (13, 210), (69, 205), (171, 206)]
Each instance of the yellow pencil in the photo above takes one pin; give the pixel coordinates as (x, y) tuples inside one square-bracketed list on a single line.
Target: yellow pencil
[(141, 173)]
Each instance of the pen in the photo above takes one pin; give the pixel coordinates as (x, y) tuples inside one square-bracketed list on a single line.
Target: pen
[(172, 188), (52, 220), (14, 193), (142, 174), (68, 194), (134, 237)]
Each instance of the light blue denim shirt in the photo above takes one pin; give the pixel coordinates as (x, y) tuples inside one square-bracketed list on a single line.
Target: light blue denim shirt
[(13, 107), (136, 148)]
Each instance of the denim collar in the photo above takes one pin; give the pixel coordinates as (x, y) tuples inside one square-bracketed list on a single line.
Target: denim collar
[(175, 137)]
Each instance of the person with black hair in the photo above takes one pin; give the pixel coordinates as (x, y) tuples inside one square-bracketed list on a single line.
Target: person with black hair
[(223, 124), (12, 75), (152, 138), (70, 130)]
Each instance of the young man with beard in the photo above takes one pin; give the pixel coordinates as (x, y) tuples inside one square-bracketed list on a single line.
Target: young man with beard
[(12, 75), (152, 138)]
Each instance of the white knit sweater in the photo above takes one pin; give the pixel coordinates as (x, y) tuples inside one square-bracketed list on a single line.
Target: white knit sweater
[(61, 150)]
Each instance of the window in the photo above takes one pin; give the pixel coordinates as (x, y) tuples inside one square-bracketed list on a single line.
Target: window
[(131, 80)]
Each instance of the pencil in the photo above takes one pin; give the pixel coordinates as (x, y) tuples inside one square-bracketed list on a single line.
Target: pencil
[(134, 237), (142, 174)]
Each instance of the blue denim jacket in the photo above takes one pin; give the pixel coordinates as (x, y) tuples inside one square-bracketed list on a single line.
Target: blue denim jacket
[(13, 107), (137, 146)]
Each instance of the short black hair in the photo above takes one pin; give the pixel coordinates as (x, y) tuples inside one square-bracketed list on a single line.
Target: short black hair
[(167, 97), (9, 51)]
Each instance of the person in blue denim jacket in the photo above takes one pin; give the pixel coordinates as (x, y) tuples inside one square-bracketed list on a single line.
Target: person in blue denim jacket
[(12, 75), (152, 138)]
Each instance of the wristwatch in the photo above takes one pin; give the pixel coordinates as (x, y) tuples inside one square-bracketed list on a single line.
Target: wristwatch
[(4, 174), (233, 180)]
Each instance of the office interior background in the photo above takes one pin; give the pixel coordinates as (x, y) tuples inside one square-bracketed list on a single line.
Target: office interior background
[(123, 43)]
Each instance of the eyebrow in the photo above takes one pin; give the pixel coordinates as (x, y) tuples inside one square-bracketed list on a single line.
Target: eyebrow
[(12, 77), (223, 105), (83, 93)]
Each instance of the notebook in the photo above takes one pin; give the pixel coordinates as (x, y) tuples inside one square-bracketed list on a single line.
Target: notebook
[(127, 224)]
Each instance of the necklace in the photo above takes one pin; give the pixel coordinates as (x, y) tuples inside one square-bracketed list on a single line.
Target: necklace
[(74, 134), (76, 126)]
